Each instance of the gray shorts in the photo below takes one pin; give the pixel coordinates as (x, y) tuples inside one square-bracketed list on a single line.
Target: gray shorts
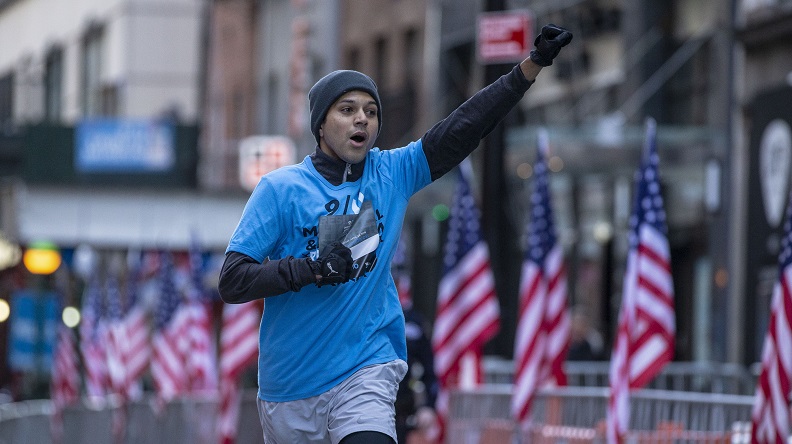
[(362, 402)]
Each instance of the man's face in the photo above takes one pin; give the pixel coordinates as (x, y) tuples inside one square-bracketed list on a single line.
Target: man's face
[(350, 127)]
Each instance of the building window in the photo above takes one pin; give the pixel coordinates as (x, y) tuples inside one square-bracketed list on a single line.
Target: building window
[(53, 85), (273, 87), (4, 3), (381, 62), (91, 72), (687, 91), (6, 101), (752, 5), (412, 55), (109, 100), (353, 59), (238, 115)]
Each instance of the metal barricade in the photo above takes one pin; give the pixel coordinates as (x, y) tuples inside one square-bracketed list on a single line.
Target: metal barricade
[(25, 422), (481, 416), (472, 412), (578, 415), (188, 420), (706, 377)]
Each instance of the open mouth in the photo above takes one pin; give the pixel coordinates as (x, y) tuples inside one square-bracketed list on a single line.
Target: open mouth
[(359, 137)]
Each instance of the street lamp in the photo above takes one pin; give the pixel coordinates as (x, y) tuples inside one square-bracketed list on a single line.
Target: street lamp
[(10, 253), (34, 316), (42, 257), (5, 310)]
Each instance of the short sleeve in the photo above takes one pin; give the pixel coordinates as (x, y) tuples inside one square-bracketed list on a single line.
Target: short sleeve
[(407, 167), (258, 228)]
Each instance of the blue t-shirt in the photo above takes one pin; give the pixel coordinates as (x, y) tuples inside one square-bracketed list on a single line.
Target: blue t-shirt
[(313, 339)]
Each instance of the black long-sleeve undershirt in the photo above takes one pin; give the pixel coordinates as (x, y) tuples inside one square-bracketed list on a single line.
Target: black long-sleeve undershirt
[(452, 139), (244, 279), (446, 144)]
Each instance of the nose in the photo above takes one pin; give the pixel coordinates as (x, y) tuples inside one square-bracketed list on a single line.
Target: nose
[(361, 118)]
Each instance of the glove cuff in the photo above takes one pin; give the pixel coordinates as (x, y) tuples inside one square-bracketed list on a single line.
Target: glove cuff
[(538, 59), (316, 268)]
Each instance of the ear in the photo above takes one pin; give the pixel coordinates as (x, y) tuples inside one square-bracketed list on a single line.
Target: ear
[(321, 132)]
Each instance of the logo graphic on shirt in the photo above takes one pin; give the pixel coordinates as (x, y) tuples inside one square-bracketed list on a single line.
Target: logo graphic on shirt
[(356, 203), (360, 232)]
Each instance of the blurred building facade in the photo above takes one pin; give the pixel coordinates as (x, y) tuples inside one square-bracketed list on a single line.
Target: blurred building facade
[(100, 106), (635, 60), (221, 72), (682, 62), (262, 58), (760, 159), (629, 61), (102, 72)]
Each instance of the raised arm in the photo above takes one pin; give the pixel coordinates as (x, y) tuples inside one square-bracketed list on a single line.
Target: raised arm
[(452, 139)]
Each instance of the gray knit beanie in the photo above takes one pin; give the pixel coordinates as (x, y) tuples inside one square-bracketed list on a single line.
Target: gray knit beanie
[(334, 85)]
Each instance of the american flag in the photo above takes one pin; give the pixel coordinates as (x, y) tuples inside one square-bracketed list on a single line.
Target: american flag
[(66, 374), (117, 345), (167, 361), (93, 340), (770, 416), (645, 336), (65, 382), (137, 329), (238, 350), (468, 314), (117, 350), (200, 352), (542, 337)]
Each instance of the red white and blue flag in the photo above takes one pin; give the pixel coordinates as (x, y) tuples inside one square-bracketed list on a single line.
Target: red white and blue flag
[(117, 344), (468, 313), (94, 339), (65, 383), (770, 416), (138, 333), (167, 360), (646, 329), (200, 353), (238, 350), (542, 337), (66, 373)]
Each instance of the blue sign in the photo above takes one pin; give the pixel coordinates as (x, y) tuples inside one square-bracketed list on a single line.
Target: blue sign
[(33, 330), (112, 145)]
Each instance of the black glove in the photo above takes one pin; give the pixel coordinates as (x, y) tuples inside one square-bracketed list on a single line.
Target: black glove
[(334, 264), (548, 44)]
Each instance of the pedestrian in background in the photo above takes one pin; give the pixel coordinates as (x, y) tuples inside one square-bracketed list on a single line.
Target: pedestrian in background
[(585, 342), (316, 240)]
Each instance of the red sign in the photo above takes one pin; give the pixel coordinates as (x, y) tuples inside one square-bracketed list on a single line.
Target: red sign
[(258, 155), (504, 37)]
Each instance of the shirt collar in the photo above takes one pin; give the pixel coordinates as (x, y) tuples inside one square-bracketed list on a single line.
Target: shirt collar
[(333, 169)]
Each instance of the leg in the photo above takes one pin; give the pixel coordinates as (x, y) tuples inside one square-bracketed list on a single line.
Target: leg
[(302, 421), (367, 438), (401, 428), (364, 402)]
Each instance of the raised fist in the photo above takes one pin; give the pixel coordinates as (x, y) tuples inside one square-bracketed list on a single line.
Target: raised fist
[(549, 43)]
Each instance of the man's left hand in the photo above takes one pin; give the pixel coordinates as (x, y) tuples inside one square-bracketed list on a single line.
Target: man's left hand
[(549, 43)]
